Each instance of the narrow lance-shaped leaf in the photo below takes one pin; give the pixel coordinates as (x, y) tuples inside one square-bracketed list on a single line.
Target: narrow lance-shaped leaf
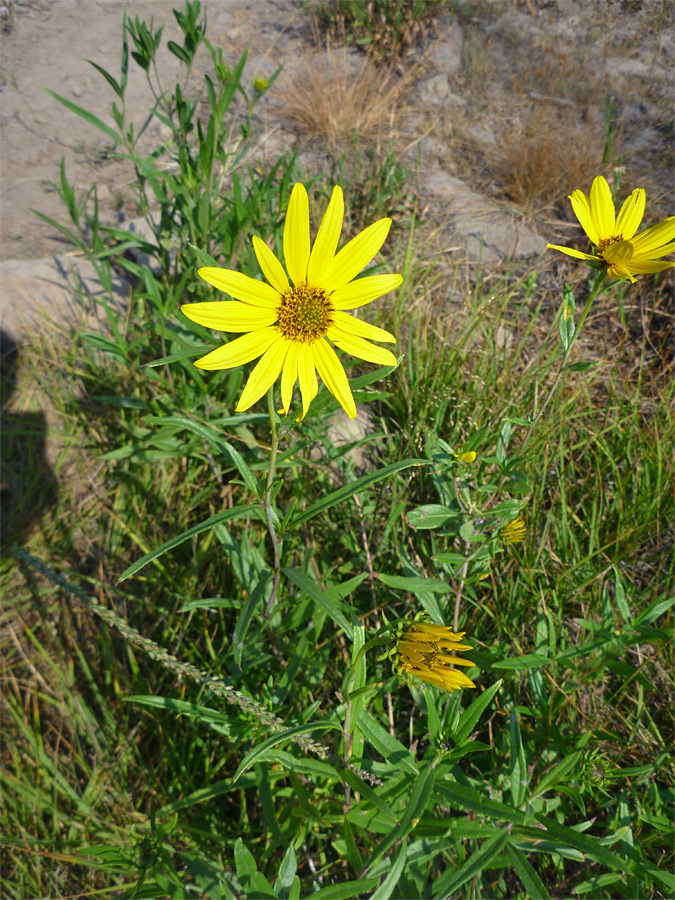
[(237, 512)]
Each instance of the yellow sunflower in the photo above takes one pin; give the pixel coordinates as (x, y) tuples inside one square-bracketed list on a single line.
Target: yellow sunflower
[(622, 254), (290, 327), (428, 651), (514, 532)]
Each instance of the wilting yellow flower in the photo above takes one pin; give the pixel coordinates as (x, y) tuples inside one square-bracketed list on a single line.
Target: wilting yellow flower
[(290, 327), (622, 254), (428, 651), (260, 84), (515, 531)]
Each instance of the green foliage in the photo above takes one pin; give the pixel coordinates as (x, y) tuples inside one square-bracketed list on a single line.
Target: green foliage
[(384, 28), (186, 717)]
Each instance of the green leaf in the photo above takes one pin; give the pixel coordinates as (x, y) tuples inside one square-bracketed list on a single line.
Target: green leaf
[(589, 846), (215, 440), (304, 765), (414, 810), (348, 490), (581, 366), (472, 713), (244, 860), (528, 661), (532, 883), (653, 611), (518, 762), (566, 318), (258, 594), (203, 257), (313, 590), (390, 747), (415, 584), (450, 882), (286, 875), (557, 773), (192, 351), (353, 854), (88, 117), (281, 737), (108, 77), (346, 891), (252, 881), (211, 603), (467, 799), (432, 515), (386, 889), (237, 512)]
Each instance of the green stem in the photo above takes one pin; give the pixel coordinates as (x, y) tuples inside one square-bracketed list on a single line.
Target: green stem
[(597, 284), (268, 505)]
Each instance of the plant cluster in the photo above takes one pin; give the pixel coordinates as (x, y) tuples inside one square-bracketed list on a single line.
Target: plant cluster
[(236, 676)]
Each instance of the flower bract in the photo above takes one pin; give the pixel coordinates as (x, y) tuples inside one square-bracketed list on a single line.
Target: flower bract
[(291, 321), (428, 651), (619, 250)]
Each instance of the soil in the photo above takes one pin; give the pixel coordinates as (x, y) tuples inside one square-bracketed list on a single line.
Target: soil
[(483, 67)]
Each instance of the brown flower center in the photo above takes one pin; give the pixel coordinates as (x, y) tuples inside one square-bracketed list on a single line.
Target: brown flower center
[(305, 313), (605, 242)]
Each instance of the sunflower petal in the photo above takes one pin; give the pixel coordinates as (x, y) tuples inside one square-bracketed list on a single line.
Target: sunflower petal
[(327, 238), (229, 315), (582, 211), (239, 351), (270, 265), (289, 375), (364, 290), (334, 376), (355, 255), (241, 287), (296, 235), (360, 348), (653, 238), (643, 266), (264, 375), (570, 251), (657, 254), (602, 208), (363, 329), (632, 211), (309, 386)]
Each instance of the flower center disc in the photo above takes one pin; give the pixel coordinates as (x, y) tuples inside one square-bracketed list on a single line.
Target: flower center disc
[(305, 313)]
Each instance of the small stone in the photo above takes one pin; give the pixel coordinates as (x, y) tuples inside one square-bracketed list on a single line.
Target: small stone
[(433, 91)]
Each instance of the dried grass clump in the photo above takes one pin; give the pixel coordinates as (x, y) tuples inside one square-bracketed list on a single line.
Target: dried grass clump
[(329, 98), (546, 157)]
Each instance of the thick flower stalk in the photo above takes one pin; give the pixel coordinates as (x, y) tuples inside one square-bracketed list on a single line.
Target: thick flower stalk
[(427, 651), (619, 251), (291, 321)]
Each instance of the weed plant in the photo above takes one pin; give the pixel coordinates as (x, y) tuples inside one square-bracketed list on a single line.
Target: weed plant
[(174, 728)]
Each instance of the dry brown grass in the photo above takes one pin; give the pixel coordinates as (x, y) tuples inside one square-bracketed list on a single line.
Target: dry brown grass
[(333, 95), (540, 161)]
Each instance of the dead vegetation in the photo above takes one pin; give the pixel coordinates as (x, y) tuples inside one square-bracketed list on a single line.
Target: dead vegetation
[(334, 94)]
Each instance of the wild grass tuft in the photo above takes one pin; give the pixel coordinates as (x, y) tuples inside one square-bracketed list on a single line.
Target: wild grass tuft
[(334, 96)]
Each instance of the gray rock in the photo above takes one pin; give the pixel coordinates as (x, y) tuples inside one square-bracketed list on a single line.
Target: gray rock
[(445, 53), (55, 288), (435, 90), (488, 231)]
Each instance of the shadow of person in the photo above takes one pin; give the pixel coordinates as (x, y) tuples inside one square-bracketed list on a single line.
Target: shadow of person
[(28, 486)]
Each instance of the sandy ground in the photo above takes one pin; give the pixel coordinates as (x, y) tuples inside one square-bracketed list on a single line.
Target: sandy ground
[(469, 91)]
